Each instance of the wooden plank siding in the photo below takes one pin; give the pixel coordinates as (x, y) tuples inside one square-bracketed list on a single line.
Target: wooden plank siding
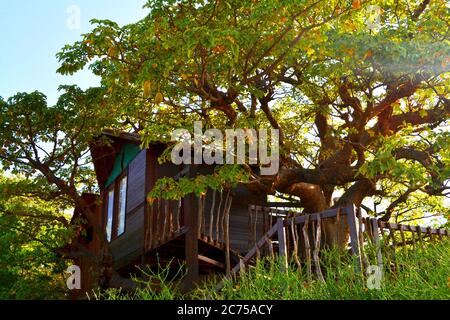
[(241, 237), (136, 182), (130, 245)]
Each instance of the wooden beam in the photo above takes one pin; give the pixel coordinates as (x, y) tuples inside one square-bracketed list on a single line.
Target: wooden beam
[(307, 246), (284, 205), (313, 217), (282, 249), (227, 233), (149, 220), (353, 225), (211, 261), (419, 232), (317, 249), (249, 255), (191, 248), (430, 233), (413, 237), (403, 227), (376, 241), (258, 246)]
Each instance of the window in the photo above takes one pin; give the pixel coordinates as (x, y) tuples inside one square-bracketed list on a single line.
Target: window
[(110, 216), (116, 208), (122, 206)]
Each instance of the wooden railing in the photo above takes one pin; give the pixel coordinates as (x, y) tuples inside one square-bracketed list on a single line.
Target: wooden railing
[(214, 222), (214, 217), (361, 230), (395, 235), (163, 223), (164, 220)]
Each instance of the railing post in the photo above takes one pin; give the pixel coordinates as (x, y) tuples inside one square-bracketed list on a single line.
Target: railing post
[(241, 267), (376, 240), (191, 222), (282, 249), (354, 234)]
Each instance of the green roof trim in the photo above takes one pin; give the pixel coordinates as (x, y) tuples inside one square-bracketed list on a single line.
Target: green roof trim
[(124, 157)]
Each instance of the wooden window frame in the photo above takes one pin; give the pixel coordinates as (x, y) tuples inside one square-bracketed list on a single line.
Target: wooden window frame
[(115, 222), (124, 174), (106, 207)]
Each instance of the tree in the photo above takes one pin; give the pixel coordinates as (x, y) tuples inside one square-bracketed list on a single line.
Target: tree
[(359, 90), (34, 225), (49, 147)]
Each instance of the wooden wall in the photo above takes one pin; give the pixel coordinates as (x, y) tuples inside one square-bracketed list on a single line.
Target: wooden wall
[(136, 182), (241, 224), (129, 245), (242, 237), (166, 169)]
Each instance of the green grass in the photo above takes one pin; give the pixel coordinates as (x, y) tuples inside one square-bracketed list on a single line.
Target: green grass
[(420, 274)]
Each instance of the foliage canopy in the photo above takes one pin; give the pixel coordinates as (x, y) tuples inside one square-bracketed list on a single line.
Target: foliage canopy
[(358, 89)]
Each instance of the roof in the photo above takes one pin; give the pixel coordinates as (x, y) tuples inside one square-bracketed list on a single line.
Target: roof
[(104, 151), (105, 148), (128, 136)]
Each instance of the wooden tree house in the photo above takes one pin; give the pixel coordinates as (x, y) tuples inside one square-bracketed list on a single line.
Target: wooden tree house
[(208, 233)]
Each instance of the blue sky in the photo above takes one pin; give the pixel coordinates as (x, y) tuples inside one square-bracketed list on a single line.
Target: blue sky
[(33, 31)]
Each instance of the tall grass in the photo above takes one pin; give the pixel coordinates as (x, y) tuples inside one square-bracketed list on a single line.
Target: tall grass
[(162, 284), (409, 275)]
